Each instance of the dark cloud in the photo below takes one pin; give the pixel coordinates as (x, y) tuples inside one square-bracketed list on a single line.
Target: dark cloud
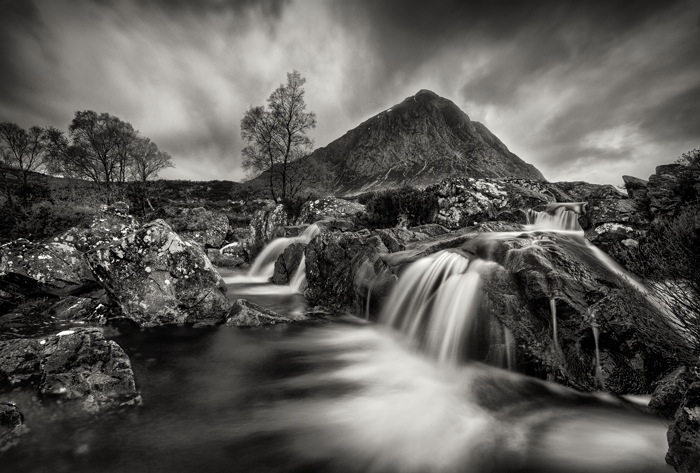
[(582, 89)]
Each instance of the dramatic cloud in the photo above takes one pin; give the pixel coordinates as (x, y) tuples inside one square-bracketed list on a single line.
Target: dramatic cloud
[(583, 90)]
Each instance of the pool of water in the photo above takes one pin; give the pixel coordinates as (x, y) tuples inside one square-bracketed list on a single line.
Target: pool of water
[(337, 395)]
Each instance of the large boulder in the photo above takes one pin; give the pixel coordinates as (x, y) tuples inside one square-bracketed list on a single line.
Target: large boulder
[(671, 186), (111, 224), (157, 278), (205, 227), (684, 433), (328, 208), (77, 364), (340, 268), (53, 268), (543, 276), (465, 202), (248, 314)]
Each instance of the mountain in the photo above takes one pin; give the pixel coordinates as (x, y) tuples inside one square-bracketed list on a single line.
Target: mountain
[(418, 142)]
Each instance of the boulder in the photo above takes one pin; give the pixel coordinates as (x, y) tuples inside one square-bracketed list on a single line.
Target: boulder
[(81, 364), (11, 425), (465, 202), (395, 239), (266, 225), (636, 190), (228, 259), (72, 364), (20, 361), (328, 208), (205, 227), (684, 433), (111, 224), (671, 186), (248, 314), (52, 268), (288, 263), (669, 392), (157, 278), (340, 267), (589, 293)]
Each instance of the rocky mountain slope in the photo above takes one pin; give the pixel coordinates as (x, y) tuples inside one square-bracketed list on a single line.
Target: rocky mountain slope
[(418, 142)]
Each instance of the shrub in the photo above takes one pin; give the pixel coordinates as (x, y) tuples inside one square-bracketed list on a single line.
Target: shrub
[(406, 205)]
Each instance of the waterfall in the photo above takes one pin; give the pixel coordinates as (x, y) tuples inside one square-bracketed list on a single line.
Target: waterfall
[(298, 281), (557, 216), (555, 334), (436, 304), (264, 265)]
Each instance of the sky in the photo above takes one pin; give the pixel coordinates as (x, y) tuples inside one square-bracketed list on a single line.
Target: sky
[(584, 90)]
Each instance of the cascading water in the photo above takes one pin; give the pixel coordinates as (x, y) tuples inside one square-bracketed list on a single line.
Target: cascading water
[(298, 281), (436, 304), (264, 265), (557, 216)]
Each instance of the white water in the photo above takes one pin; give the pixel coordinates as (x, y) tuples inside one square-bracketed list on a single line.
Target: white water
[(557, 216), (263, 267), (372, 405), (298, 281)]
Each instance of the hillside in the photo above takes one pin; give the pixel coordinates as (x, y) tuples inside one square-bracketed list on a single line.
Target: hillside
[(418, 142)]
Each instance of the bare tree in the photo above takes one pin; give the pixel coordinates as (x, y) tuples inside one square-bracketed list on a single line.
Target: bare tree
[(147, 161), (98, 149), (276, 136), (22, 150)]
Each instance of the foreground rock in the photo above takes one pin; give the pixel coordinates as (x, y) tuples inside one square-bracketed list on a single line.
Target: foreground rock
[(206, 228), (684, 433), (111, 224), (341, 267), (77, 364), (11, 425), (248, 314), (157, 278), (52, 268)]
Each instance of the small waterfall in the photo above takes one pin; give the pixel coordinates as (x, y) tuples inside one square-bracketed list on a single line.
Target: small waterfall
[(555, 333), (557, 216), (264, 265), (598, 369), (435, 303), (298, 281)]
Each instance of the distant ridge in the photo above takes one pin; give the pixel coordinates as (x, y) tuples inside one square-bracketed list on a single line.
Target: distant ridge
[(418, 142)]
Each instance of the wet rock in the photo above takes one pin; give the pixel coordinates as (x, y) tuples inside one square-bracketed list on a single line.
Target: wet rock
[(430, 229), (110, 225), (11, 425), (288, 263), (339, 268), (157, 278), (637, 345), (684, 433), (229, 259), (20, 361), (396, 239), (669, 392), (81, 364), (248, 314), (266, 225), (328, 208), (52, 268), (205, 227), (337, 225)]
